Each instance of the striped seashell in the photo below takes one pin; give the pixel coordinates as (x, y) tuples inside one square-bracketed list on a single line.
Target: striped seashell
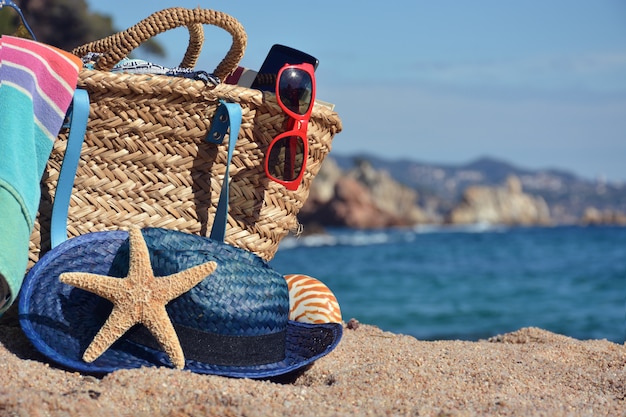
[(310, 301)]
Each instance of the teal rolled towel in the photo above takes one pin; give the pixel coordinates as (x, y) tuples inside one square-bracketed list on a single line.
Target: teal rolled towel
[(37, 82)]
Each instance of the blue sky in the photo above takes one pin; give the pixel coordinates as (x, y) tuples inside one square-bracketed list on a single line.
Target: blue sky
[(540, 84)]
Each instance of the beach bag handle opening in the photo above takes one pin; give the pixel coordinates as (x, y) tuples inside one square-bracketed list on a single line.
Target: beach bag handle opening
[(118, 46)]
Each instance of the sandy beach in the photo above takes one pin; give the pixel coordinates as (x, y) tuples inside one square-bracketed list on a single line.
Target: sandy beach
[(529, 372)]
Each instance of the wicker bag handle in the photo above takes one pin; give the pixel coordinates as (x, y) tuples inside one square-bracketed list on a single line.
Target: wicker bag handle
[(118, 46), (102, 46)]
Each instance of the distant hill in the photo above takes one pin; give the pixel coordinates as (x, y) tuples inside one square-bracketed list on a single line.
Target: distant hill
[(567, 194)]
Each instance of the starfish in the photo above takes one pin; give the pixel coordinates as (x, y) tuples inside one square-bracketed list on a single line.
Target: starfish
[(140, 297)]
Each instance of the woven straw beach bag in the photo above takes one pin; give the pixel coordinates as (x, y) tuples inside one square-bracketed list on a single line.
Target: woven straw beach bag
[(145, 162)]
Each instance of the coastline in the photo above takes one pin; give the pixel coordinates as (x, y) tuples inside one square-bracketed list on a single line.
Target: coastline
[(527, 372)]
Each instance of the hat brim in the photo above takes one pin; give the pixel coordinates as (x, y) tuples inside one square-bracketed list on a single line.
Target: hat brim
[(61, 320)]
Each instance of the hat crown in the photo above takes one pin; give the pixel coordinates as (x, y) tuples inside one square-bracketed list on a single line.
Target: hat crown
[(242, 297)]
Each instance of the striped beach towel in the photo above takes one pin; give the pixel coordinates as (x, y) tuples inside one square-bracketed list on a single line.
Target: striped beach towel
[(37, 82)]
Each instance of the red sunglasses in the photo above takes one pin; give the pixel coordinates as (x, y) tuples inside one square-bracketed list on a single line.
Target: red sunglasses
[(286, 156)]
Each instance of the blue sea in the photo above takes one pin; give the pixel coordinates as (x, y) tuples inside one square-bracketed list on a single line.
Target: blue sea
[(470, 283)]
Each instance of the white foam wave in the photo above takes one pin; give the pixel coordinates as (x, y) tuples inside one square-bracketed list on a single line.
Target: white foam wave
[(347, 238), (350, 237), (481, 227)]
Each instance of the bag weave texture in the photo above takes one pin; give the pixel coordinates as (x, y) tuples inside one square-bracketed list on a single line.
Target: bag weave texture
[(145, 161)]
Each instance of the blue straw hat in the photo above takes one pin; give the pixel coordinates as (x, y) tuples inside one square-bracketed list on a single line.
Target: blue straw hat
[(234, 322)]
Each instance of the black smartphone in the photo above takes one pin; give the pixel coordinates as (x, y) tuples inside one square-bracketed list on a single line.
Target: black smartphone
[(277, 57)]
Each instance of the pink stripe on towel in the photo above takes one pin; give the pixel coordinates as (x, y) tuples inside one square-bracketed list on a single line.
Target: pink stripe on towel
[(60, 61), (55, 70)]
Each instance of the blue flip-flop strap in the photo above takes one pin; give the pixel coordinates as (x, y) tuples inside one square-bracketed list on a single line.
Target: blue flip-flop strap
[(227, 116)]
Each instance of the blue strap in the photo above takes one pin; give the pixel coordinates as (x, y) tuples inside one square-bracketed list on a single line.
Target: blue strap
[(228, 115), (78, 116)]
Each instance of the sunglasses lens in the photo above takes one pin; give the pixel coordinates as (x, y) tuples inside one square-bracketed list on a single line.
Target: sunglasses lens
[(295, 89), (285, 159)]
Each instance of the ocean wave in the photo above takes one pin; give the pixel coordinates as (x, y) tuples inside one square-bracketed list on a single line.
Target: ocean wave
[(346, 238), (353, 237), (481, 227)]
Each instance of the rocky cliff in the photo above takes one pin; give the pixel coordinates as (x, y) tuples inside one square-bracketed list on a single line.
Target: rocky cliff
[(594, 216), (506, 204), (572, 199), (363, 197)]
